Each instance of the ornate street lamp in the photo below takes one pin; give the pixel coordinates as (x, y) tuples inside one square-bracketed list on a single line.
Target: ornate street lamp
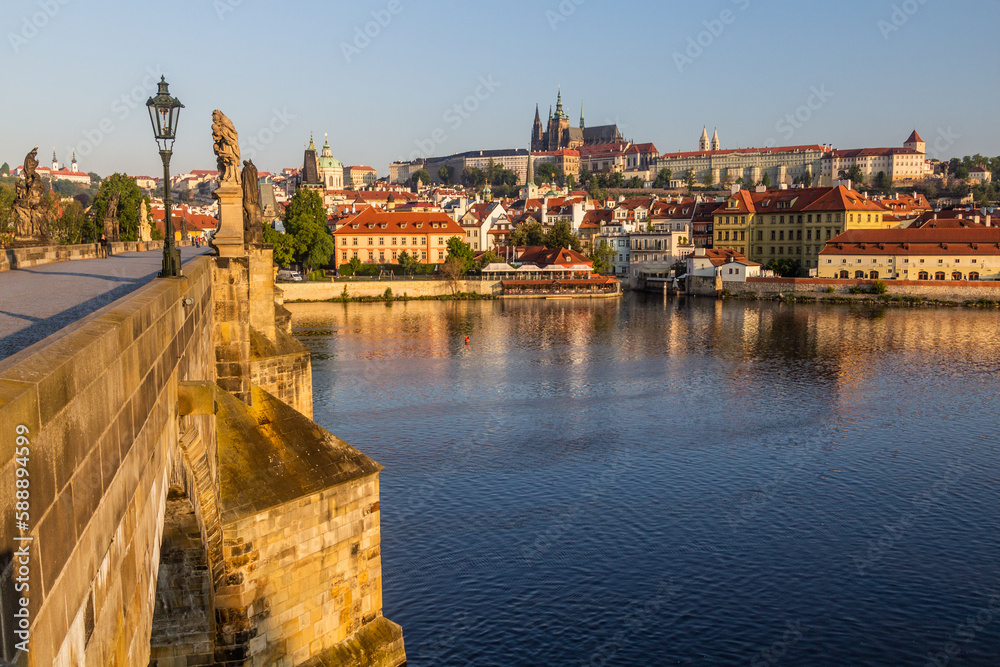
[(163, 113)]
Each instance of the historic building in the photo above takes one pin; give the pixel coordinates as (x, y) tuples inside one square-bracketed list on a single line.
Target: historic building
[(559, 135), (906, 163), (323, 171), (377, 237), (957, 253), (791, 224)]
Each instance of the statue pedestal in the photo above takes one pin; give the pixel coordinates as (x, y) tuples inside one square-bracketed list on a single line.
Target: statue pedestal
[(229, 239)]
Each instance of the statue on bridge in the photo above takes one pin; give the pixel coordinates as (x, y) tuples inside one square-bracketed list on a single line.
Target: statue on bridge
[(253, 219), (112, 228), (227, 148), (29, 218)]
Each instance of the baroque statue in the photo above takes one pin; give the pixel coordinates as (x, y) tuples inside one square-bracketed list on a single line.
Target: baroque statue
[(111, 224), (29, 221), (227, 149), (253, 220)]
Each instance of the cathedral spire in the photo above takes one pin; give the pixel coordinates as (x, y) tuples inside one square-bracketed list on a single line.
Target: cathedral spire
[(560, 114), (715, 141), (538, 119), (583, 125), (703, 144)]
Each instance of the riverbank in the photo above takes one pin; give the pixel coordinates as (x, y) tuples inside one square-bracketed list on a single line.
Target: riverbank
[(868, 299), (391, 298)]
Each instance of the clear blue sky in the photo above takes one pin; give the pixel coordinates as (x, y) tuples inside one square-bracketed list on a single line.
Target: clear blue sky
[(282, 66)]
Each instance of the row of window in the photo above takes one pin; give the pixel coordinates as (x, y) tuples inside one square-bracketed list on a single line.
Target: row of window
[(395, 255), (417, 240), (906, 260), (923, 275)]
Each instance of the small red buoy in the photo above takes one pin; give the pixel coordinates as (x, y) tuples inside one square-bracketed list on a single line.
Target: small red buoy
[(466, 340)]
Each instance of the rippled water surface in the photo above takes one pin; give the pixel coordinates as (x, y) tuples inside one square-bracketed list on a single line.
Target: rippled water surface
[(641, 482)]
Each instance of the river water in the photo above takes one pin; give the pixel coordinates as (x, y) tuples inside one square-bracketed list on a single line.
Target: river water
[(651, 482)]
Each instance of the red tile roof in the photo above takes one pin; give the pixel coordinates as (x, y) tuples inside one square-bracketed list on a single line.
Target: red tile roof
[(940, 241), (371, 221)]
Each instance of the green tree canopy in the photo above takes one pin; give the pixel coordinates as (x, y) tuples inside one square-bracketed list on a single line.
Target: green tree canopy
[(603, 257), (786, 268), (421, 176), (460, 250), (130, 199), (561, 236), (529, 233), (444, 174), (71, 225), (305, 222), (284, 246), (663, 178), (546, 173), (5, 169)]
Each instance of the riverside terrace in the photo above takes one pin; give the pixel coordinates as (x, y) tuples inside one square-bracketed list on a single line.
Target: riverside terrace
[(546, 273)]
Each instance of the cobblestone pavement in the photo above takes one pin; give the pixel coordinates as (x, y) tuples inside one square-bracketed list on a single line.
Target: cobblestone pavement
[(38, 301)]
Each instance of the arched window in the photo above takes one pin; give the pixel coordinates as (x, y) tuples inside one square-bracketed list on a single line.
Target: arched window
[(859, 274), (873, 275), (973, 275), (844, 275), (924, 276), (956, 275), (939, 275)]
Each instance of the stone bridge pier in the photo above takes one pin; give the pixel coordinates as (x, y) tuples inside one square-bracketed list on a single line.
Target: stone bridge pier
[(180, 507)]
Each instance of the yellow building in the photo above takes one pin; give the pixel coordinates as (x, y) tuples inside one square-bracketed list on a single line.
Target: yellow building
[(959, 253), (733, 222), (792, 224), (377, 237)]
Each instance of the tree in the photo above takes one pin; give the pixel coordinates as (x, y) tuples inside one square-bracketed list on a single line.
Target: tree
[(462, 251), (689, 179), (634, 183), (407, 262), (70, 226), (709, 179), (603, 257), (453, 269), (570, 181), (663, 178), (130, 198), (94, 178), (585, 176), (305, 222), (7, 196), (883, 182), (529, 233), (474, 176), (561, 236), (444, 173), (616, 179), (419, 177), (5, 169), (766, 181), (786, 268), (856, 176), (546, 173), (806, 179), (284, 246), (487, 258)]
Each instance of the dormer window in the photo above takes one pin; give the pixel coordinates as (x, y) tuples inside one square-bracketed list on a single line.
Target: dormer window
[(402, 225)]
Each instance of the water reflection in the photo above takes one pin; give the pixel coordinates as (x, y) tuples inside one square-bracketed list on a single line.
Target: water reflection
[(703, 473)]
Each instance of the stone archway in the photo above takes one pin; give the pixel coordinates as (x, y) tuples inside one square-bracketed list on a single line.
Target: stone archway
[(183, 627)]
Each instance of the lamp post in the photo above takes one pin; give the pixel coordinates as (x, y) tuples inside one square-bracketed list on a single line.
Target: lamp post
[(164, 111)]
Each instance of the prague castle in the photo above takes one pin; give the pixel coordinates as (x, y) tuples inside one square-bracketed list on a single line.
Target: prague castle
[(559, 135)]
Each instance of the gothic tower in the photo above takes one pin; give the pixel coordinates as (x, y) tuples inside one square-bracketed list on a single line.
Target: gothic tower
[(703, 144), (537, 134), (715, 141)]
